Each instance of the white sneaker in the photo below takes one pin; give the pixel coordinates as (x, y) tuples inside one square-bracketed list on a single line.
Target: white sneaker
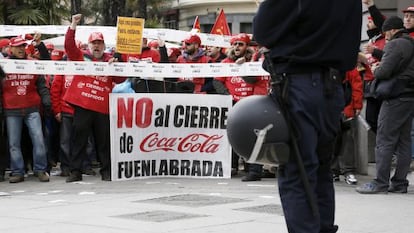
[(351, 179)]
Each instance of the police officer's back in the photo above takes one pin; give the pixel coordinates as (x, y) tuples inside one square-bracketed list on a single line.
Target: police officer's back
[(307, 39)]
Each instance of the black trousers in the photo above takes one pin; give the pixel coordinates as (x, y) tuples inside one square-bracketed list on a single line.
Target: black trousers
[(373, 107), (85, 123), (316, 116)]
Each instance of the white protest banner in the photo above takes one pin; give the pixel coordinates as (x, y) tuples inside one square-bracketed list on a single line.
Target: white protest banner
[(174, 135), (141, 69)]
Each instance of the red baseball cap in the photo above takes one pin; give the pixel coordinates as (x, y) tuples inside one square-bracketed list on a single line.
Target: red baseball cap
[(17, 41), (173, 52), (243, 37), (153, 44), (50, 46), (409, 9), (95, 36), (191, 39), (57, 55), (27, 37), (4, 42)]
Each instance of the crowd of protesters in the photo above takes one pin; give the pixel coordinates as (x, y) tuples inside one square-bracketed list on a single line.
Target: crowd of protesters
[(48, 123), (55, 124)]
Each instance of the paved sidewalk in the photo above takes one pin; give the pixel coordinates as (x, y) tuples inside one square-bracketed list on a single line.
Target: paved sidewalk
[(183, 206)]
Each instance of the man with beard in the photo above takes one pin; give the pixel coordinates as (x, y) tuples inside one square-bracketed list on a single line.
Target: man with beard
[(193, 53), (90, 97), (239, 87)]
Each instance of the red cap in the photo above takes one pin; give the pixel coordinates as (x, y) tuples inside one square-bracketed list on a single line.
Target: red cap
[(192, 39), (243, 37), (30, 49), (95, 36), (153, 44), (4, 42), (50, 46), (17, 41), (409, 9), (57, 55), (173, 52), (27, 37)]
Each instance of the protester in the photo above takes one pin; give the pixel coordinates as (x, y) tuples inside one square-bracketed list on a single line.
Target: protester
[(395, 117), (194, 53), (215, 53), (22, 96), (240, 87), (90, 97), (345, 146), (63, 113), (409, 20), (304, 47)]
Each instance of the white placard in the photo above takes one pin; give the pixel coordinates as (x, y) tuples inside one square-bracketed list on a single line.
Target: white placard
[(169, 135)]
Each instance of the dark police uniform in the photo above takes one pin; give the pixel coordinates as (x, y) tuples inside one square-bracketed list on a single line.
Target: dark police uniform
[(306, 39)]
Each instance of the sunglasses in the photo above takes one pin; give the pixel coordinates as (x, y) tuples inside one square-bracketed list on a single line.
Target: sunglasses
[(239, 44), (188, 44)]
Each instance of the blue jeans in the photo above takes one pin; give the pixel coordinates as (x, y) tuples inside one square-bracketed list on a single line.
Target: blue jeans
[(14, 132)]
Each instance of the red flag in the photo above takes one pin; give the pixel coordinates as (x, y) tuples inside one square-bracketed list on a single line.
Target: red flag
[(221, 27), (196, 25)]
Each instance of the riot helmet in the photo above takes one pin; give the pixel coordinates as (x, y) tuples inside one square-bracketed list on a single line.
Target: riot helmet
[(257, 130)]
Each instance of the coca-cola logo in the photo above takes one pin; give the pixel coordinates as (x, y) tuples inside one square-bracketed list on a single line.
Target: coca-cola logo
[(196, 142)]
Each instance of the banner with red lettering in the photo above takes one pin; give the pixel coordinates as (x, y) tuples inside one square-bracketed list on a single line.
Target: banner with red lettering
[(169, 135)]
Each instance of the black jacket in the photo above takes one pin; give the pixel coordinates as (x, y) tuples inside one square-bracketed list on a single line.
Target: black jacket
[(317, 33)]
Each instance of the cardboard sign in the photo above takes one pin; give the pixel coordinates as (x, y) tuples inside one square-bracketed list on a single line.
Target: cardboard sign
[(129, 35)]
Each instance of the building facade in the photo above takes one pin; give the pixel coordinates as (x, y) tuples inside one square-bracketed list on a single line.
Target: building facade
[(240, 13)]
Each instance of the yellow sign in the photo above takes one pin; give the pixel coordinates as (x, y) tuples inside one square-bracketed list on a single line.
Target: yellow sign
[(129, 35)]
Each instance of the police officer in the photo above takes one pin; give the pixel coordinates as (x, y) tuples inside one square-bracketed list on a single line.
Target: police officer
[(307, 40)]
